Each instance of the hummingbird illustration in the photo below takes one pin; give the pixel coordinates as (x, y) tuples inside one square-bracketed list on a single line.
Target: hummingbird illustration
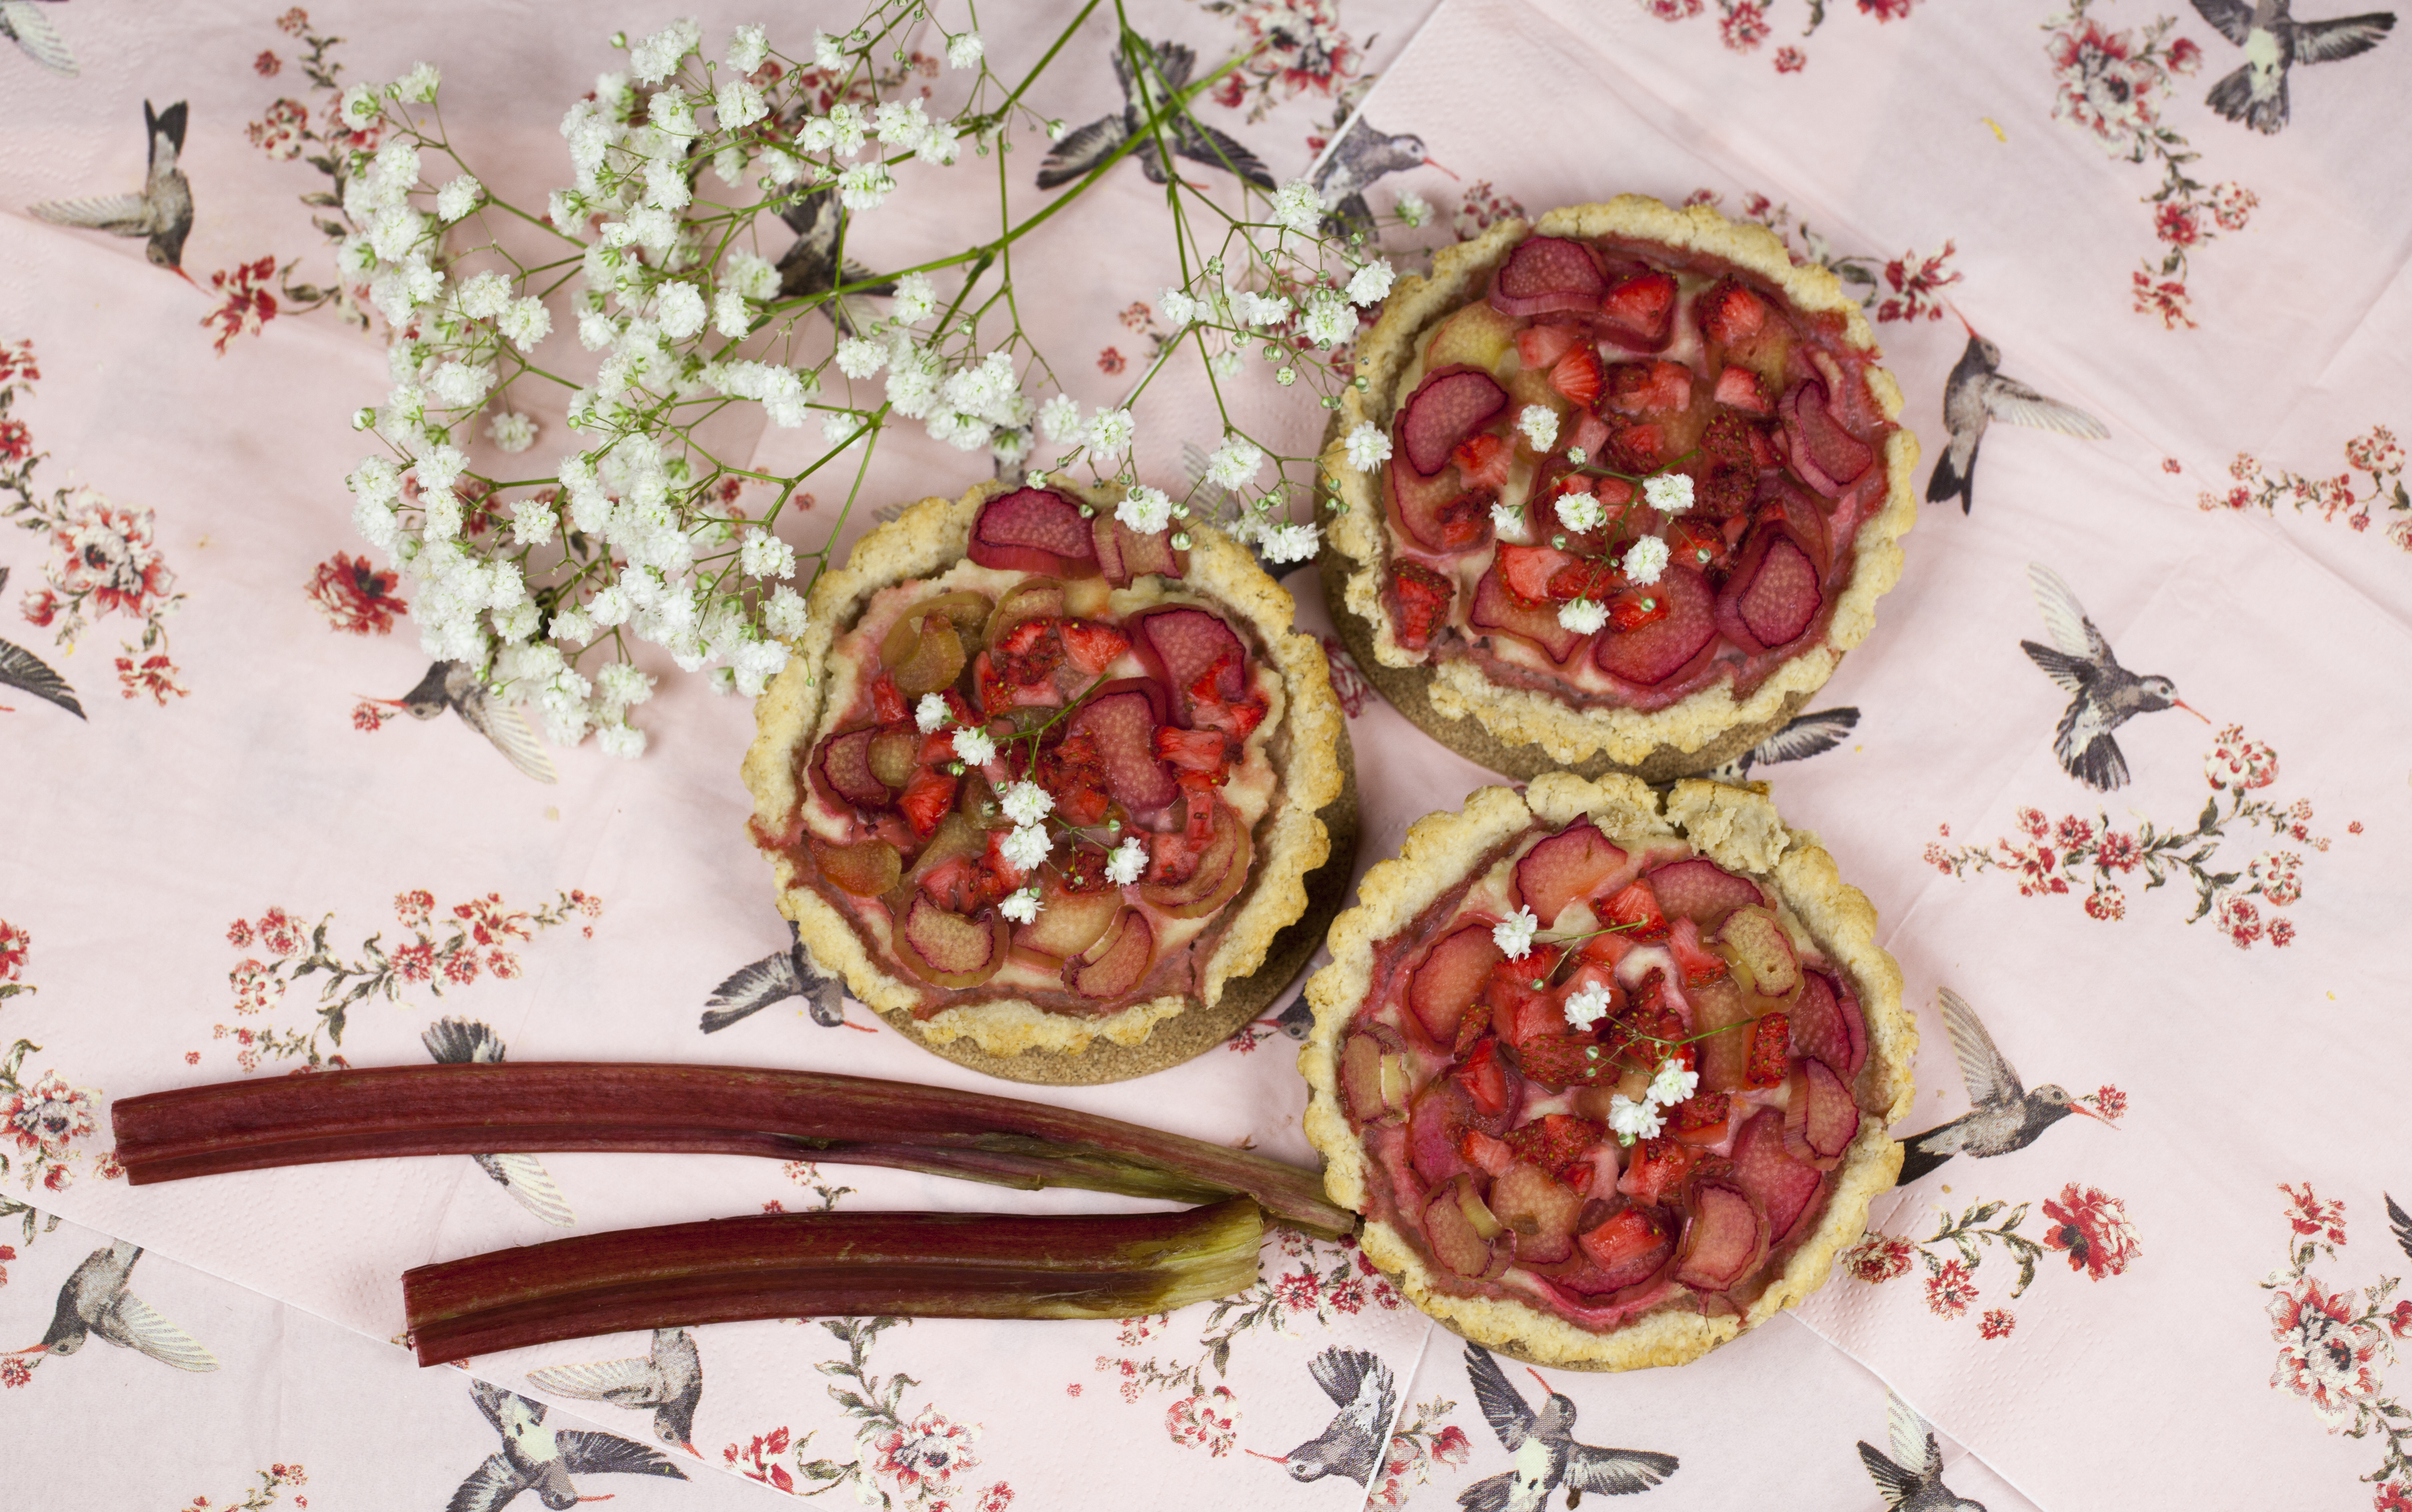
[(1366, 153), (2273, 42), (1352, 1444), (1974, 397), (1165, 70), (670, 1380), (1806, 735), (22, 670), (462, 1042), (1913, 1480), (457, 686), (1547, 1455), (810, 266), (95, 1303), (2106, 694), (2005, 1116), (162, 213), (775, 977), (23, 24), (536, 1457)]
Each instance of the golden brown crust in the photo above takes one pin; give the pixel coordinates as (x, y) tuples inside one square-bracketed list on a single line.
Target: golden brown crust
[(928, 539), (1656, 742), (1737, 827)]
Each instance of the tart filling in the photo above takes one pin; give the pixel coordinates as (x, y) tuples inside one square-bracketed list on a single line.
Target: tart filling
[(1053, 780), (1607, 1089), (1639, 465)]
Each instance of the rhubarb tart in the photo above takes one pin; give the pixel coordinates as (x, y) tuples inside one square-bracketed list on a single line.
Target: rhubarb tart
[(1606, 1074), (1034, 780), (1615, 490)]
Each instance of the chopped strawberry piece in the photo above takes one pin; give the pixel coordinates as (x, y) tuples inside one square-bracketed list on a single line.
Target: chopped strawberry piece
[(1083, 869), (1630, 1234), (1484, 1079), (1606, 949), (886, 701), (1657, 1166), (1642, 310), (1743, 390), (1092, 647), (1583, 577), (1770, 1051), (1473, 1026), (1701, 1112), (926, 800), (938, 747), (954, 883), (1424, 597), (1563, 1060), (1699, 543), (1525, 572), (1489, 1154), (1730, 313), (1561, 1144), (1699, 963), (1590, 432), (1535, 1015), (1007, 875), (1654, 388), (1198, 790), (1636, 448), (1541, 346), (1577, 376), (1484, 460), (1073, 771), (1201, 751), (1637, 606), (1638, 907), (1029, 653)]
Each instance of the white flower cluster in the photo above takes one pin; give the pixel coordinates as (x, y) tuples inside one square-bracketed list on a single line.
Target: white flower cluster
[(1642, 1120)]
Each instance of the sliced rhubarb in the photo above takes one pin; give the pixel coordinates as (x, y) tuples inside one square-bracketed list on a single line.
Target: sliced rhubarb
[(538, 1107), (1783, 1187), (1445, 409), (976, 1265), (1630, 1247), (1068, 922), (1421, 599), (1827, 457), (867, 869), (1570, 864), (1827, 1023), (1118, 960), (1773, 595), (1033, 598), (1702, 892), (1724, 1239), (1821, 1120), (1761, 944), (1724, 1058), (1033, 530), (1639, 312), (1539, 348), (1540, 1210), (1436, 1125), (1122, 719), (1451, 979), (1438, 514), (1222, 868), (948, 949), (892, 756), (1476, 336), (1186, 644), (1545, 275), (1494, 607), (1702, 1118), (843, 767), (1150, 552), (1655, 652), (1361, 1078), (1450, 1228)]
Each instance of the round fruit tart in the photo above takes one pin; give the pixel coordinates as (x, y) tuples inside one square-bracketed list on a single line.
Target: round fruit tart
[(1615, 492), (1035, 778), (1609, 1076)]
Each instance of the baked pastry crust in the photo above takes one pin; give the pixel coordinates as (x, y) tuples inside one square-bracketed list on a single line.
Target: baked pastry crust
[(1737, 827), (928, 539), (1695, 732)]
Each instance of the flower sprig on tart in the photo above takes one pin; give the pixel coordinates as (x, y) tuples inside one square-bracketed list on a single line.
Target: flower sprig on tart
[(1608, 1083), (1621, 481), (1055, 778)]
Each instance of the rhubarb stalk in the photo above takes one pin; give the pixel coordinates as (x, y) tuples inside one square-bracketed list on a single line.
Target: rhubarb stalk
[(963, 1265), (544, 1107)]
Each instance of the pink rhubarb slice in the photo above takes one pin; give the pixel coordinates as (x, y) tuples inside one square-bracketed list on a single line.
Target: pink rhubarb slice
[(1445, 409), (1033, 530)]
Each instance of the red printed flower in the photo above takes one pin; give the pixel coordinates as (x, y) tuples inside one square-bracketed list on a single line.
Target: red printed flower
[(238, 934), (1297, 1291), (355, 597), (16, 441), (155, 676), (2311, 1215), (1998, 1323), (40, 606), (1111, 360), (249, 302), (491, 921), (15, 945), (2175, 224), (505, 965), (294, 22), (2106, 903), (996, 1498), (1950, 1290), (1673, 9), (2282, 934), (282, 132), (461, 968), (1878, 1257), (2109, 1101), (2238, 763), (2324, 1355), (370, 716), (2233, 205), (1884, 10), (14, 1372), (110, 555), (414, 962), (2391, 1496), (1914, 281), (2116, 852), (413, 907), (1451, 1446), (2185, 55), (48, 1115), (1744, 26), (2073, 832), (2106, 85), (2167, 299), (2093, 1227), (1209, 1421), (1790, 60), (1348, 1295), (280, 934), (2034, 822), (929, 1450), (1300, 44), (2240, 920)]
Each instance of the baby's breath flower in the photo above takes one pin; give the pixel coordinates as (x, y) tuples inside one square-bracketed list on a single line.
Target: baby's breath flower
[(1025, 847), (1059, 418), (1411, 209), (1178, 307), (1371, 284), (1585, 1006), (1253, 310), (1235, 463), (1645, 559), (1329, 319), (857, 357), (1021, 907), (964, 49), (1673, 1083), (625, 741), (572, 624), (1110, 431), (1580, 511), (764, 555), (1288, 542), (658, 56), (1368, 447), (513, 434), (974, 748), (900, 124), (1026, 802), (730, 315), (360, 108), (1582, 616), (1670, 493), (439, 467), (931, 712), (1514, 933), (737, 104), (864, 186), (1539, 423), (783, 614), (419, 85), (917, 299), (1145, 510), (458, 198), (1298, 206), (679, 307), (829, 52), (1508, 522), (1129, 860), (1632, 1121), (748, 47)]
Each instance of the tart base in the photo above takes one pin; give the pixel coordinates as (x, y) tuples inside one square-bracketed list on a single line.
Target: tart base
[(1186, 1035)]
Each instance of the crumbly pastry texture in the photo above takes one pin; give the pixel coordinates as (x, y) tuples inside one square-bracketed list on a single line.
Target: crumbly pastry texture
[(1737, 827), (1627, 738), (928, 539)]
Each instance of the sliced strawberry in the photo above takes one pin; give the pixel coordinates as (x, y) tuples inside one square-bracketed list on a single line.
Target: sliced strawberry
[(1583, 577), (1203, 750), (1525, 571), (1699, 963), (1743, 390), (1637, 606), (1472, 1027), (1589, 432), (1073, 771), (1540, 346), (1606, 949), (1422, 599), (1730, 313), (1560, 1144), (1631, 1245), (1483, 461), (1561, 1061), (1697, 543), (1652, 387), (1658, 1168), (886, 701), (1484, 1079), (1636, 906), (1639, 312), (1083, 869), (1770, 1051), (1636, 448), (1092, 647), (926, 800), (1486, 1152), (1703, 1113), (1577, 376)]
